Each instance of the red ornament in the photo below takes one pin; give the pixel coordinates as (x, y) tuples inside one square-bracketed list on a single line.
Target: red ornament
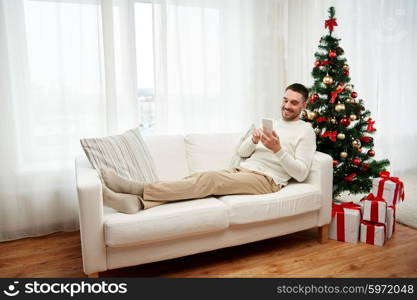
[(364, 167), (346, 72), (356, 161), (354, 94), (324, 62), (332, 54), (366, 139), (350, 178), (317, 63), (345, 122), (313, 98), (335, 163), (371, 153)]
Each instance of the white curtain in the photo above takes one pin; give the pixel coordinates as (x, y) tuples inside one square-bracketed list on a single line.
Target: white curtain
[(66, 73), (380, 43), (218, 64), (68, 70)]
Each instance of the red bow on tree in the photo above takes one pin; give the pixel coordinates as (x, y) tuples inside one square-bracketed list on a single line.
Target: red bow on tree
[(370, 127), (366, 139), (339, 89), (330, 134), (330, 23), (321, 119)]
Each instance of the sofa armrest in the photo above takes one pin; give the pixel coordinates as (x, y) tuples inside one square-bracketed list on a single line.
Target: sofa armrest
[(90, 198), (321, 175)]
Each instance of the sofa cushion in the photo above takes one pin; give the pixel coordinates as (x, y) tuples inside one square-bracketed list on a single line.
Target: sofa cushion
[(210, 152), (236, 159), (168, 153), (126, 154), (295, 198), (165, 222)]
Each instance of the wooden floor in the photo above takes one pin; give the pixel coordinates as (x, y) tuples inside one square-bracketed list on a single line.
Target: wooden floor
[(294, 255)]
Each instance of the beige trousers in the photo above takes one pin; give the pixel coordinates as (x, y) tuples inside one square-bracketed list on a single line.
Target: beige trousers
[(216, 183)]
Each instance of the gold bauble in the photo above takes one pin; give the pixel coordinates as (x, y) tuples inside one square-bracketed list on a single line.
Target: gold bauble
[(353, 117), (317, 130), (356, 144), (311, 115), (346, 67), (343, 154), (348, 88), (328, 80), (333, 121), (341, 136), (349, 100), (339, 107)]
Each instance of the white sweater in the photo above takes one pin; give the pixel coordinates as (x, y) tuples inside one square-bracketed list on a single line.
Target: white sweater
[(298, 145)]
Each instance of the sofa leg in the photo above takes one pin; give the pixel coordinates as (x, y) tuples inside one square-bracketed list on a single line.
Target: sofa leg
[(323, 233), (93, 275)]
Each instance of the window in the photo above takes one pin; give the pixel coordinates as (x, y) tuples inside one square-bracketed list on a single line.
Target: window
[(145, 65)]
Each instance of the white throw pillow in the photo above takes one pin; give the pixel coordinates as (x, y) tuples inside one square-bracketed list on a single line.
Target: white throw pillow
[(126, 154), (236, 159), (210, 152)]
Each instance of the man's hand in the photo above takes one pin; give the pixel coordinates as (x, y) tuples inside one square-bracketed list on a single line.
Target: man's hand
[(256, 136), (271, 141)]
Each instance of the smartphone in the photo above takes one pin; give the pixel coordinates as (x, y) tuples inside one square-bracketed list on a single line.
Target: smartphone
[(268, 123)]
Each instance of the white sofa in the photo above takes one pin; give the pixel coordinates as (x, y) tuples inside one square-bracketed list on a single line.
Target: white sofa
[(113, 240)]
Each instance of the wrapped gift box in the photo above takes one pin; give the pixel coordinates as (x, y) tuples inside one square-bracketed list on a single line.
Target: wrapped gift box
[(374, 209), (373, 233), (344, 226), (391, 189)]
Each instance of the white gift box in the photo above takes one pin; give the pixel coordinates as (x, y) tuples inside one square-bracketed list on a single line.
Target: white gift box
[(391, 194), (373, 233), (344, 226), (373, 211)]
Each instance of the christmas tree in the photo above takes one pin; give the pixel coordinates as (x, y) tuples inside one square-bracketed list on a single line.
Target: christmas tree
[(340, 120)]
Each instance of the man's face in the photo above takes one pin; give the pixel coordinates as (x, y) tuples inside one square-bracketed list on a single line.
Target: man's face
[(292, 105)]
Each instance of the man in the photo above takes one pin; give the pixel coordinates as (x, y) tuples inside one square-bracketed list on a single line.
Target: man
[(272, 158)]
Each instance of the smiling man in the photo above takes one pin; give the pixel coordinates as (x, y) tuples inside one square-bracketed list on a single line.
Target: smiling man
[(286, 152), (271, 159)]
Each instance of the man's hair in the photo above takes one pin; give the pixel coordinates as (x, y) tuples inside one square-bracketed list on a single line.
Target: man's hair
[(299, 88)]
